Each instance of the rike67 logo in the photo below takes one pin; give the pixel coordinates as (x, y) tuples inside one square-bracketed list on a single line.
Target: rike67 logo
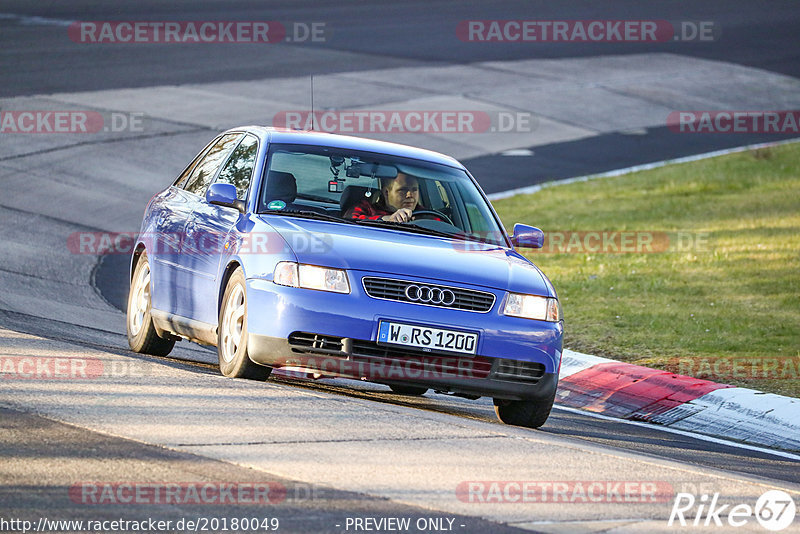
[(774, 510)]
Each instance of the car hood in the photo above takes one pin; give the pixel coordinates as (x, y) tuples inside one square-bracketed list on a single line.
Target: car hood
[(400, 253)]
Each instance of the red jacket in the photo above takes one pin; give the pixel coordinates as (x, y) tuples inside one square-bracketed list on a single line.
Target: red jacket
[(367, 210)]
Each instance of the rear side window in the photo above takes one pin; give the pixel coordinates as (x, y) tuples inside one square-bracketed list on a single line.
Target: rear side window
[(204, 171), (181, 180), (239, 168)]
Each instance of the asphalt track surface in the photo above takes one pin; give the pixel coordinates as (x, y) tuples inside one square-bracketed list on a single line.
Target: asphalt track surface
[(36, 58), (363, 35), (643, 439)]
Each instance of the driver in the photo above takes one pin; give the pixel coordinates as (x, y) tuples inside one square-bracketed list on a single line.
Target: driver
[(399, 199)]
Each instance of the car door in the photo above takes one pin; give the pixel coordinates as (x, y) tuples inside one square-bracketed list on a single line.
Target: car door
[(168, 213), (191, 245), (208, 228)]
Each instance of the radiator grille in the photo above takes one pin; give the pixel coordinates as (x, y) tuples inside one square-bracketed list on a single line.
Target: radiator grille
[(429, 294)]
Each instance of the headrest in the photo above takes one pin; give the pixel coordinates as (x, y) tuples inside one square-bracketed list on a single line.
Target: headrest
[(281, 186), (351, 195)]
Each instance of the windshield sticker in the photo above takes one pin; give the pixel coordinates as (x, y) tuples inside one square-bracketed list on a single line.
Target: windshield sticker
[(276, 205)]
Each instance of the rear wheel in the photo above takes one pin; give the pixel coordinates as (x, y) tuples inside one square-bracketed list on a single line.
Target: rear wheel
[(142, 335), (408, 390), (527, 413), (234, 361)]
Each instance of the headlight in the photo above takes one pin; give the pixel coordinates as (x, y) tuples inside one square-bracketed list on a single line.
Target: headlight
[(533, 307), (288, 273)]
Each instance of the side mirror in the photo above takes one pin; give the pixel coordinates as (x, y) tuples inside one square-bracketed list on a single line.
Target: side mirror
[(527, 236), (224, 195)]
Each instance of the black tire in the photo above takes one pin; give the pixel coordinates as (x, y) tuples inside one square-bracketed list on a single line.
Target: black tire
[(408, 390), (234, 361), (527, 413), (142, 335)]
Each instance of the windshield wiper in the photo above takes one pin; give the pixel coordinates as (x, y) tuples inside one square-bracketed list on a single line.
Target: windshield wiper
[(408, 227), (310, 214), (379, 223), (317, 198), (428, 231)]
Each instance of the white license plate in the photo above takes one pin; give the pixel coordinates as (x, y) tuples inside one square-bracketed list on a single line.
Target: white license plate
[(427, 338)]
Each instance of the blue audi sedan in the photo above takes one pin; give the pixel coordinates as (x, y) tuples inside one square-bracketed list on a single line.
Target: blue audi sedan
[(338, 256)]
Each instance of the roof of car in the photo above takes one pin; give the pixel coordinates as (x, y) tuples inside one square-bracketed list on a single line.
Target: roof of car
[(305, 137)]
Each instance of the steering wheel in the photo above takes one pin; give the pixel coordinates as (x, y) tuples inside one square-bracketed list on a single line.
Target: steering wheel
[(432, 213)]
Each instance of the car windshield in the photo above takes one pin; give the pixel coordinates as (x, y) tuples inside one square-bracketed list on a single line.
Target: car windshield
[(362, 188)]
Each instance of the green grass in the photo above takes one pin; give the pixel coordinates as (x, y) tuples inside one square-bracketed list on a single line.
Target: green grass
[(728, 311)]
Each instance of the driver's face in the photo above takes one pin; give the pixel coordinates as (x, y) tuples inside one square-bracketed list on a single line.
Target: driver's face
[(402, 192)]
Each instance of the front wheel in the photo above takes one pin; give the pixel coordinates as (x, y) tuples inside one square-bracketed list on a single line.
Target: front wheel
[(234, 362), (142, 335), (527, 413)]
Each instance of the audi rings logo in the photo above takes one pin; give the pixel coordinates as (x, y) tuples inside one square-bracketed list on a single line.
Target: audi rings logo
[(430, 295)]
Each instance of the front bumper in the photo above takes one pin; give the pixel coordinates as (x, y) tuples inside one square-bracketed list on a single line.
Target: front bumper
[(335, 335), (365, 360)]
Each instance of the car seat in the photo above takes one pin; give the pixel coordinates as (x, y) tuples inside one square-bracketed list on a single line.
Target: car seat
[(281, 186), (351, 196)]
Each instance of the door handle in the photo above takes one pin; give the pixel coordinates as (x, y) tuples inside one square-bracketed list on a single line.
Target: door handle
[(190, 228)]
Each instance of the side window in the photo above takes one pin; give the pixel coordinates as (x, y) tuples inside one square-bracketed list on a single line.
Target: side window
[(204, 171), (447, 199), (239, 168), (181, 180), (439, 198), (477, 220)]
